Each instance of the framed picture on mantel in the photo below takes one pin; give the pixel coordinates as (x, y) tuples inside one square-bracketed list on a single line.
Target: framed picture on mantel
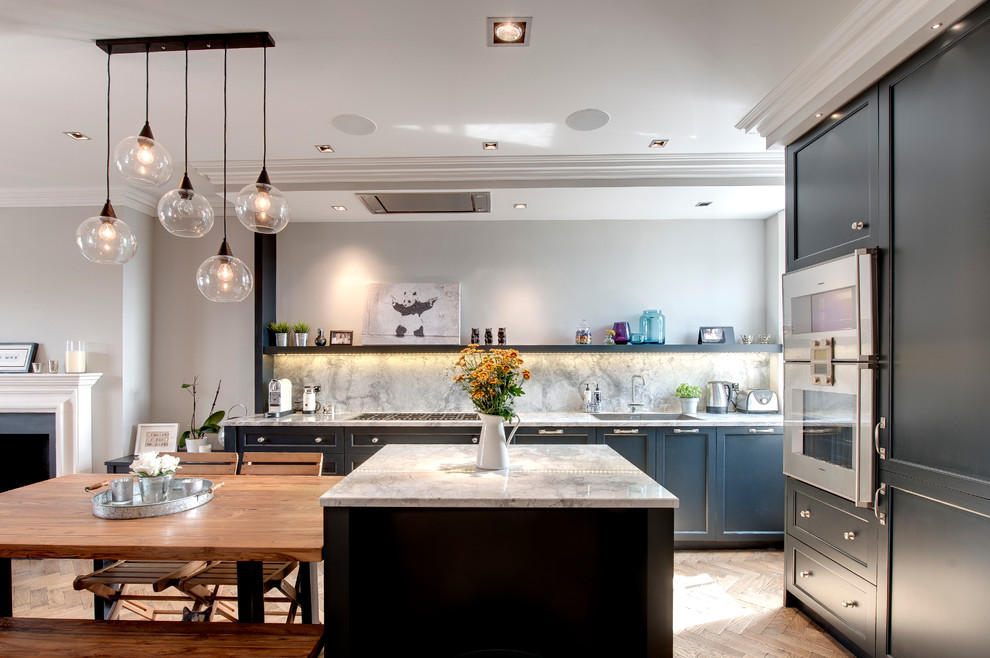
[(17, 357)]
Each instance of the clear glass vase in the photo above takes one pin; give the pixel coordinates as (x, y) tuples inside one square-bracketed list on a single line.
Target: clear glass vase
[(154, 489)]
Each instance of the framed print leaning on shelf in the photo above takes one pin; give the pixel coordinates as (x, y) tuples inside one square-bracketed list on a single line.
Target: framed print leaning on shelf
[(157, 437), (338, 337), (17, 357)]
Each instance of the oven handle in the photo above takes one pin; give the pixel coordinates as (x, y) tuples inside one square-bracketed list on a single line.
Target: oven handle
[(864, 465)]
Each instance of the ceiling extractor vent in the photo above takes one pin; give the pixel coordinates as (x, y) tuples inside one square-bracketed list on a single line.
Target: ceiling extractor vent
[(386, 203)]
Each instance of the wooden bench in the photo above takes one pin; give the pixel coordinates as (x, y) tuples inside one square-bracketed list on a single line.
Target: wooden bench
[(27, 636)]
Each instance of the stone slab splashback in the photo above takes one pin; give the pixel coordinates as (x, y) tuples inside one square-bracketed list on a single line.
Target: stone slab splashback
[(424, 382)]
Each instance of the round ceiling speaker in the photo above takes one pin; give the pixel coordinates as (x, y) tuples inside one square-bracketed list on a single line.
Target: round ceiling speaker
[(585, 120), (352, 124)]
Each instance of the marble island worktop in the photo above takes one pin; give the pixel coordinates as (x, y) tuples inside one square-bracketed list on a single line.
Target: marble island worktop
[(527, 419), (539, 476)]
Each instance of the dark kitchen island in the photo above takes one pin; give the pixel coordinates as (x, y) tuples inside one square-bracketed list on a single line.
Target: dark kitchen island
[(568, 552)]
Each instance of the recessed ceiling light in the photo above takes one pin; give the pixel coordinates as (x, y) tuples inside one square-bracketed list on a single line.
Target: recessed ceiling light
[(339, 208), (818, 115), (658, 143), (702, 204), (490, 146), (935, 26), (75, 135), (584, 120), (324, 148), (509, 31), (519, 206), (836, 115)]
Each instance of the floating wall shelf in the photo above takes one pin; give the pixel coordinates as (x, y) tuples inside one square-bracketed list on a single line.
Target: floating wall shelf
[(531, 349)]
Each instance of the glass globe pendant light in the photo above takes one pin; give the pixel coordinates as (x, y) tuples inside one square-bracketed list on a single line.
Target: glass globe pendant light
[(182, 211), (106, 239), (261, 206), (140, 159), (224, 278)]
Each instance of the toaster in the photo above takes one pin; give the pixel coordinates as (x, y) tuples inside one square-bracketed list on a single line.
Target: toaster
[(758, 401)]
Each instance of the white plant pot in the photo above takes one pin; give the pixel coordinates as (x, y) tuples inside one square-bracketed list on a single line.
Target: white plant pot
[(196, 445), (689, 405)]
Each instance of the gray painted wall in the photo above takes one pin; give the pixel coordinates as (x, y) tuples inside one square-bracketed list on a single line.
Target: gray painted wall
[(537, 279)]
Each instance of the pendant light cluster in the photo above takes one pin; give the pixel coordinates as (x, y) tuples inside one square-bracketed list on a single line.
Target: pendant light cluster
[(183, 212)]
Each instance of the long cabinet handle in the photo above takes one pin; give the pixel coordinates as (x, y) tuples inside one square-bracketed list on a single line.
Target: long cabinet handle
[(678, 430), (550, 432), (634, 430), (753, 430)]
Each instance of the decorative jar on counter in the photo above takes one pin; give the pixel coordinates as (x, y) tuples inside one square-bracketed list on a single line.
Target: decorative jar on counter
[(583, 334)]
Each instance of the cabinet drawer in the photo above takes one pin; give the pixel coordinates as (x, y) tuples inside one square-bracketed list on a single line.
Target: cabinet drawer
[(834, 527), (844, 599), (309, 438), (554, 435), (375, 438)]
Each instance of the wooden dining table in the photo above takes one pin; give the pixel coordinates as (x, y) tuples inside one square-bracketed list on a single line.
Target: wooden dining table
[(250, 519)]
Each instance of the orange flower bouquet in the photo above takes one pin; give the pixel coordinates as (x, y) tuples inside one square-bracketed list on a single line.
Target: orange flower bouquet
[(492, 379)]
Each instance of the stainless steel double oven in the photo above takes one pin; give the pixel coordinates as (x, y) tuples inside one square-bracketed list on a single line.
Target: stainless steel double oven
[(830, 375)]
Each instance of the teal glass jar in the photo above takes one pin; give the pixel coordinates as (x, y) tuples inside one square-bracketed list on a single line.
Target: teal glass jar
[(651, 326)]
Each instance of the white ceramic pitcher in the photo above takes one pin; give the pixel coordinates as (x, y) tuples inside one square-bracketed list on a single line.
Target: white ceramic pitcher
[(493, 452)]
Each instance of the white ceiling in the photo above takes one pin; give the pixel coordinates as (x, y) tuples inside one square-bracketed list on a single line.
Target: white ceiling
[(687, 71)]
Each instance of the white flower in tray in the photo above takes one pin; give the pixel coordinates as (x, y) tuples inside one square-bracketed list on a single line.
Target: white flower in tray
[(151, 464)]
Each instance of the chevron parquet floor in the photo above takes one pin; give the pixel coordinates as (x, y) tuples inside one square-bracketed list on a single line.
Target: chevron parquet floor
[(726, 604)]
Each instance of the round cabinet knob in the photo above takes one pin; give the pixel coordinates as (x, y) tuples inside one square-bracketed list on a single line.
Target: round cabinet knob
[(805, 574), (374, 439), (848, 604), (474, 439), (858, 226), (318, 439), (849, 535), (805, 514), (261, 439)]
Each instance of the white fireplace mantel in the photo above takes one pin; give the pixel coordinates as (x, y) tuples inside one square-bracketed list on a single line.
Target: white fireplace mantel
[(69, 397)]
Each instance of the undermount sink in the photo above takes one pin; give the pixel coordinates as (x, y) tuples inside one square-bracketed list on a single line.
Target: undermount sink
[(643, 416)]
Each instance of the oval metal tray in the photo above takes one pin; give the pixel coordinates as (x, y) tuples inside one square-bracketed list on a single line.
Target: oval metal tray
[(184, 493)]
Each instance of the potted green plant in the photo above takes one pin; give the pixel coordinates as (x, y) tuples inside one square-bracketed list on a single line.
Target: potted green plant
[(301, 330), (195, 438), (281, 331), (689, 395)]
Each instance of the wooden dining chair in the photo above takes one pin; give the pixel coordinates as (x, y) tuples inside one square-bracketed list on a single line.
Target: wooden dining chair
[(206, 585), (205, 463), (112, 582)]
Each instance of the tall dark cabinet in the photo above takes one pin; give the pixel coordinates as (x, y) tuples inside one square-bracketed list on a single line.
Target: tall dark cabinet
[(932, 575)]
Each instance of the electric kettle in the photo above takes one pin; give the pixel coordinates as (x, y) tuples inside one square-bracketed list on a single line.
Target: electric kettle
[(719, 396)]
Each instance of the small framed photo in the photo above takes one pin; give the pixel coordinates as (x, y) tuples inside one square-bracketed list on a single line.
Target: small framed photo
[(341, 337), (157, 437), (716, 335), (17, 357)]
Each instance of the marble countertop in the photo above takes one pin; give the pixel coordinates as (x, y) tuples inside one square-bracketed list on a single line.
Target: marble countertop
[(527, 419), (539, 476)]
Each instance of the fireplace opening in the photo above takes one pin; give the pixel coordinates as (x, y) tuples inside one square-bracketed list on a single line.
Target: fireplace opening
[(28, 442)]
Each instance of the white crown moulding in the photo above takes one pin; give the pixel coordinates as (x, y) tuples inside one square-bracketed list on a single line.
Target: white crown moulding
[(761, 168), (865, 46), (80, 197)]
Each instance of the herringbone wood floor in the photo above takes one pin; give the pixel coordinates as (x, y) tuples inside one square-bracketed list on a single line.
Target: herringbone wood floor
[(726, 603)]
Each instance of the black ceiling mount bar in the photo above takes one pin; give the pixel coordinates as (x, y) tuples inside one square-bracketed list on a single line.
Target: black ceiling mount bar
[(182, 41)]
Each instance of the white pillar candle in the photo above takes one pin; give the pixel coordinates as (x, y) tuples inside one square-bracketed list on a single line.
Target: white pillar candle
[(75, 356)]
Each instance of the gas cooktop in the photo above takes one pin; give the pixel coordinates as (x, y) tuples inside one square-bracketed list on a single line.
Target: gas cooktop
[(416, 415)]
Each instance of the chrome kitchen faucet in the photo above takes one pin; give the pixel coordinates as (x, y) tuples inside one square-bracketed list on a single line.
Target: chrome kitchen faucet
[(633, 405)]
